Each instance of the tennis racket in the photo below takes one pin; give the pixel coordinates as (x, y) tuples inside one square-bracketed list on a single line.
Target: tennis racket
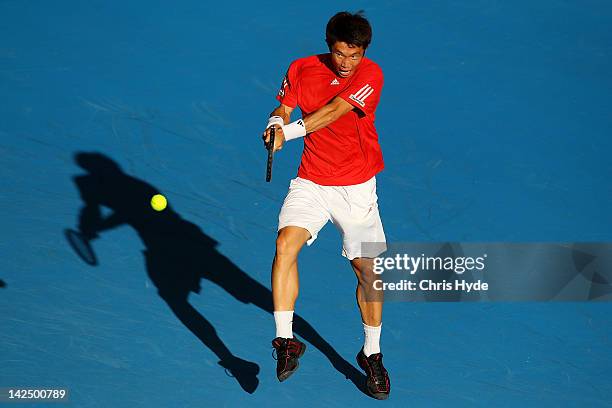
[(270, 154)]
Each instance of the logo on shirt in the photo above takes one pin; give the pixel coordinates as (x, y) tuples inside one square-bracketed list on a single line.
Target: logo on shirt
[(361, 95), (335, 82), (284, 85)]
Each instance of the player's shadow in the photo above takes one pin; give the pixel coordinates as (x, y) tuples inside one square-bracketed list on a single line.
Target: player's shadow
[(2, 284), (178, 254)]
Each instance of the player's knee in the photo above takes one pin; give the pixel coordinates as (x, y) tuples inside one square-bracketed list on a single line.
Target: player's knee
[(365, 280), (287, 244), (364, 271), (284, 247)]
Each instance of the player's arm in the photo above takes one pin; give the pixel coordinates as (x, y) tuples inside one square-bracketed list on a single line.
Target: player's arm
[(315, 121), (327, 115)]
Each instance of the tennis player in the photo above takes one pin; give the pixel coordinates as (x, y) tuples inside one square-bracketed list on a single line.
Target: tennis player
[(337, 93)]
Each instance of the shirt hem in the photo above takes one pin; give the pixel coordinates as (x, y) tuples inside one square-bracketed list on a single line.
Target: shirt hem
[(335, 181)]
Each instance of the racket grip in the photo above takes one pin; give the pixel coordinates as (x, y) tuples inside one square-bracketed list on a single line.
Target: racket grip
[(270, 154)]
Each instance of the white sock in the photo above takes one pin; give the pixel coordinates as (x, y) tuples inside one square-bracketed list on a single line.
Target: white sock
[(284, 324), (371, 345)]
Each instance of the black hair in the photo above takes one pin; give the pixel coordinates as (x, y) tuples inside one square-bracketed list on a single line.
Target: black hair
[(353, 29)]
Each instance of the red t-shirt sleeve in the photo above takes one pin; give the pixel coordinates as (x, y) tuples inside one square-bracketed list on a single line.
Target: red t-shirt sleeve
[(364, 91), (287, 94)]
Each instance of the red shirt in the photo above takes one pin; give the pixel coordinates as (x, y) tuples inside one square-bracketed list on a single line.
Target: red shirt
[(345, 152)]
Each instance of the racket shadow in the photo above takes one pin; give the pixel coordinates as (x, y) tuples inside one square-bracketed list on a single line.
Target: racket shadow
[(178, 255), (81, 246)]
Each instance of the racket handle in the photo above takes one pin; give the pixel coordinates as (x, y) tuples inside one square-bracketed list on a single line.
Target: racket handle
[(270, 154)]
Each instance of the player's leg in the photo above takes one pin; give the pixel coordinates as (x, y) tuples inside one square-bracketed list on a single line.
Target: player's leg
[(285, 288), (301, 218), (355, 214), (369, 300), (285, 283)]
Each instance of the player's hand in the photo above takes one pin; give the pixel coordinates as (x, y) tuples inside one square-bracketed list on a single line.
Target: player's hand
[(279, 138)]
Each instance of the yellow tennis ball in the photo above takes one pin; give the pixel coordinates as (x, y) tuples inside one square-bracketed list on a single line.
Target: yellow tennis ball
[(159, 202)]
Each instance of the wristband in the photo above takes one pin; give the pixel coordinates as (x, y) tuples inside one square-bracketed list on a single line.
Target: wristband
[(294, 130), (275, 120)]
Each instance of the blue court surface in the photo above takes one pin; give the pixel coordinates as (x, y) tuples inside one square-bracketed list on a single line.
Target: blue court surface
[(495, 123)]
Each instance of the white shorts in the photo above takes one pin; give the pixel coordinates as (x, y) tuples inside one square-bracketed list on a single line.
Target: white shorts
[(352, 209)]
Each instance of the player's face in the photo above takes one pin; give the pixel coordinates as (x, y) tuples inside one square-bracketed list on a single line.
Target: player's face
[(345, 58)]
